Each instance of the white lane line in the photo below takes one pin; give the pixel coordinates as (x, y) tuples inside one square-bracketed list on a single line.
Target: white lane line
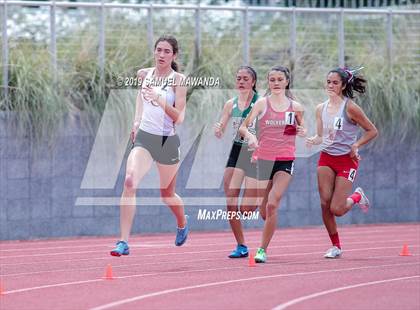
[(197, 270), (95, 245), (208, 252), (50, 286), (212, 251), (122, 277), (349, 231), (228, 268), (338, 289), (279, 238), (205, 285), (219, 260), (216, 244), (49, 254)]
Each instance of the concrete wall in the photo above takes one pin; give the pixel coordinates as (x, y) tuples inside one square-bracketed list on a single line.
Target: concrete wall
[(40, 185)]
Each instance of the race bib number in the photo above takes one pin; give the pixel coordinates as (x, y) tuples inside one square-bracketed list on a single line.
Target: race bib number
[(290, 118), (352, 175), (338, 123)]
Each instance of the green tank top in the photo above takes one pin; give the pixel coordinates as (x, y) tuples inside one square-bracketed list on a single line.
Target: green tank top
[(238, 116)]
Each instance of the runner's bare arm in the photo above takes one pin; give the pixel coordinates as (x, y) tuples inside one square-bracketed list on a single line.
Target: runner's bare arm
[(301, 129), (220, 126), (358, 116), (316, 139), (243, 130)]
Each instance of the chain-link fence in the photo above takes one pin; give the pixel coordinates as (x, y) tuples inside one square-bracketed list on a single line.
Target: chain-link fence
[(62, 36)]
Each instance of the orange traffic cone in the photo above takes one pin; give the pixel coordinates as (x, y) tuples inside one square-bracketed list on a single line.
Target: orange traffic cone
[(108, 272), (251, 261), (1, 289), (405, 251)]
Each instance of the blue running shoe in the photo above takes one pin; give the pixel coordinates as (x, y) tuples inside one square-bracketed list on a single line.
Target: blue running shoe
[(240, 251), (121, 249), (182, 233)]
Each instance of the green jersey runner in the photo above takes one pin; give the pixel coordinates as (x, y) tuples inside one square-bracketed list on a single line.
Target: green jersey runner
[(238, 116)]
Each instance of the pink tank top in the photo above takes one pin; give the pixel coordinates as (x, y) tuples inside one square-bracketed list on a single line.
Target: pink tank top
[(276, 134)]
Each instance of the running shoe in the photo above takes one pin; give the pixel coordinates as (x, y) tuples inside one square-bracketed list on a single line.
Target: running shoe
[(334, 252), (182, 233), (121, 249), (240, 251), (364, 203), (261, 256)]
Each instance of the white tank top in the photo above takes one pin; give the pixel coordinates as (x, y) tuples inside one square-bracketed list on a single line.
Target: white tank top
[(154, 120), (339, 132)]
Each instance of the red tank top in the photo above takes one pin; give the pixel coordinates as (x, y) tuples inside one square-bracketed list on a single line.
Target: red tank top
[(277, 134)]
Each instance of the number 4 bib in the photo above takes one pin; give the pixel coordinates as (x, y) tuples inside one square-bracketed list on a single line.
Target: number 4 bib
[(352, 175), (338, 123)]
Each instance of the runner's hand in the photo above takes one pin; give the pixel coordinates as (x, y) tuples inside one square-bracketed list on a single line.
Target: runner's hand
[(315, 140), (151, 94), (252, 141), (218, 131), (301, 131), (354, 153), (134, 130)]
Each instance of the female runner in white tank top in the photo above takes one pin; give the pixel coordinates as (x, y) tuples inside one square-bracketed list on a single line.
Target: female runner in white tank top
[(160, 105), (338, 122)]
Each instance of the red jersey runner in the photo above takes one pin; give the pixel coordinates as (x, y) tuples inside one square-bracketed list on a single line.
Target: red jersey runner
[(277, 134)]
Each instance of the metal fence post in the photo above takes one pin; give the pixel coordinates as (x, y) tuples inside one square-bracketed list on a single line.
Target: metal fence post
[(197, 41), (389, 37), (5, 54), (101, 52), (245, 37), (293, 39), (150, 28), (53, 43), (341, 38)]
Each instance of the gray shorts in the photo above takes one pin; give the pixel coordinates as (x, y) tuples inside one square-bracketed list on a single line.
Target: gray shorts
[(164, 149)]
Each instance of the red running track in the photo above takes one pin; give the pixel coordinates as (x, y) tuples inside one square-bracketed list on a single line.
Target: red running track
[(69, 274)]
